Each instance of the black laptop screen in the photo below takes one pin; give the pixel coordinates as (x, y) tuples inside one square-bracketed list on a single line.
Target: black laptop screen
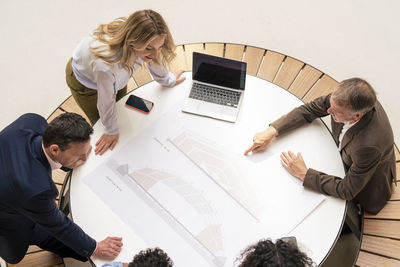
[(219, 71)]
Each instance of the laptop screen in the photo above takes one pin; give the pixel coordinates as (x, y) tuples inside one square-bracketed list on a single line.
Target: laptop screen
[(219, 71)]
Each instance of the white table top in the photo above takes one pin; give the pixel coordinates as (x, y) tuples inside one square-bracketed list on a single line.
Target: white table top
[(263, 102)]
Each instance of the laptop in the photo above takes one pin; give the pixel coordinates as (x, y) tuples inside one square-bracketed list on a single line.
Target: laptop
[(218, 87)]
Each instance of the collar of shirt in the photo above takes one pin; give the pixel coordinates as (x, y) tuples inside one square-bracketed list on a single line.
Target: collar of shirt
[(345, 128), (53, 164)]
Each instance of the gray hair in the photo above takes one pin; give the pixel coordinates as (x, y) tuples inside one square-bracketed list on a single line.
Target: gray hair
[(356, 94)]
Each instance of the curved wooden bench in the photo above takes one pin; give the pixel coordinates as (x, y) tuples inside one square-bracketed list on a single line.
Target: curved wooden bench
[(381, 234), (381, 238)]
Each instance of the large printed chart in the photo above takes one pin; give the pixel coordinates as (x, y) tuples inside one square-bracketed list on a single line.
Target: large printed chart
[(224, 170), (194, 199)]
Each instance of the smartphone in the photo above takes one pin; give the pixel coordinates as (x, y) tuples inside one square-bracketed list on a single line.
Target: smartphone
[(139, 104)]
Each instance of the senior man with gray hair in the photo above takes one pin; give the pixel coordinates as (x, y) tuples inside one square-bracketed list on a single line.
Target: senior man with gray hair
[(362, 132)]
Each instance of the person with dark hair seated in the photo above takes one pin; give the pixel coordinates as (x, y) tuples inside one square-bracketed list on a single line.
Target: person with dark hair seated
[(283, 253), (30, 150), (151, 257)]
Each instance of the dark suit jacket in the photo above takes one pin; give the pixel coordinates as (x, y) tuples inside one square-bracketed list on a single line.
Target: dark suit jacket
[(366, 150), (27, 193)]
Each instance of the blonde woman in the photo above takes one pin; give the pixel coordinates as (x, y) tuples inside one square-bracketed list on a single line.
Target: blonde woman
[(102, 64)]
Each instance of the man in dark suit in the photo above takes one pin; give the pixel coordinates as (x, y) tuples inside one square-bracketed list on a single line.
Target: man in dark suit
[(360, 128), (29, 150)]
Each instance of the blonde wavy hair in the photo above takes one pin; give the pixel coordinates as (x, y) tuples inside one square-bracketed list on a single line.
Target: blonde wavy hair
[(133, 33)]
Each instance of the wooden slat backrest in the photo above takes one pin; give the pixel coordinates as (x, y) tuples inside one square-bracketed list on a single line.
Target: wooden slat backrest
[(307, 77), (288, 72), (366, 259), (55, 113), (398, 171), (397, 153), (189, 49), (391, 212), (41, 258), (215, 49), (131, 85), (382, 246), (58, 176), (70, 105), (395, 192), (253, 58), (33, 248), (59, 187), (382, 228), (270, 65), (234, 51), (324, 86), (179, 62), (142, 75)]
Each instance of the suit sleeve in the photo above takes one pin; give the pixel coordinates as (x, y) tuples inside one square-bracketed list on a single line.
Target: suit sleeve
[(42, 210), (302, 115), (365, 162)]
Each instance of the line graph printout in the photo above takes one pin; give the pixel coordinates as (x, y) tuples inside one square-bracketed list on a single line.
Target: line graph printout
[(193, 198)]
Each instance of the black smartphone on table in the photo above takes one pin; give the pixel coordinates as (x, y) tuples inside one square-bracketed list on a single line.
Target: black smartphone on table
[(139, 104)]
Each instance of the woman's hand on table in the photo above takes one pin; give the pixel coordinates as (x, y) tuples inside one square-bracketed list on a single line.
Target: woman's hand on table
[(178, 74), (261, 140), (106, 142)]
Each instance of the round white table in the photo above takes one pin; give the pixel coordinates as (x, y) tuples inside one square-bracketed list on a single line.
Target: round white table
[(101, 215)]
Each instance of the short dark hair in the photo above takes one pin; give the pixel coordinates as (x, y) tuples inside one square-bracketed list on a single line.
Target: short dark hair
[(356, 94), (284, 253), (65, 129), (151, 257)]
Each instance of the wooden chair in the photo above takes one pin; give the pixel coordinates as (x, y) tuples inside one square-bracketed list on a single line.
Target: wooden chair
[(380, 244)]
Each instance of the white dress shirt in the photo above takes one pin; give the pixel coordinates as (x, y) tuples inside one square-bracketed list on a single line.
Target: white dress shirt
[(53, 164), (345, 128)]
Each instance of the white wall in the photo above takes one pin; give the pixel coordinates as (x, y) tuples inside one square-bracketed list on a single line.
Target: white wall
[(342, 38)]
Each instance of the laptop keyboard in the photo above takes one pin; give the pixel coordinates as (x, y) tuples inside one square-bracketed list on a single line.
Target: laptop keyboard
[(214, 95)]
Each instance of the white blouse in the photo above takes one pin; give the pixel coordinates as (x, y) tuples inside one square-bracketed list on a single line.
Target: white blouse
[(107, 79)]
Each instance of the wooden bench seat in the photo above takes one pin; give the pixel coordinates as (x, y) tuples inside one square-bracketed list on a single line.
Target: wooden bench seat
[(381, 234), (380, 244), (39, 258)]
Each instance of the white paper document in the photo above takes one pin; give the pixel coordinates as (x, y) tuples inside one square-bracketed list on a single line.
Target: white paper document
[(196, 199)]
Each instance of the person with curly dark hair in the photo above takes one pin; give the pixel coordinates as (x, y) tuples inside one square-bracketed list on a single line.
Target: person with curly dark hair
[(283, 253), (151, 257)]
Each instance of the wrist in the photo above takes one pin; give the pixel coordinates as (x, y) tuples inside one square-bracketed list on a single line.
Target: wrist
[(303, 175), (272, 131), (94, 253)]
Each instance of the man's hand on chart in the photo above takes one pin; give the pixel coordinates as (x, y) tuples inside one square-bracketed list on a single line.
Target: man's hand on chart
[(106, 142), (294, 164), (108, 249), (261, 140), (178, 74)]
